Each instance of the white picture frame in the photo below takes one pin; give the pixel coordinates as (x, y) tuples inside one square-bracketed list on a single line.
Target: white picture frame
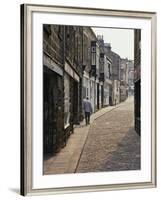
[(33, 182)]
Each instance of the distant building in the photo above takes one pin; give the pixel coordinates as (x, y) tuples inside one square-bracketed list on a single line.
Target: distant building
[(130, 77), (105, 74), (124, 79), (137, 79), (116, 61), (115, 74), (105, 78)]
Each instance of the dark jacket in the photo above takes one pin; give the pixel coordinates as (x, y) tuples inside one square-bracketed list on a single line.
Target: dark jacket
[(87, 106)]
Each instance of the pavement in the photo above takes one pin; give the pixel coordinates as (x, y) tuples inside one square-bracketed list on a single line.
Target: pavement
[(109, 143)]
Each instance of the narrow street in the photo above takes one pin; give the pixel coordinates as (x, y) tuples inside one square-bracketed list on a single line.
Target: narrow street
[(109, 143), (112, 143)]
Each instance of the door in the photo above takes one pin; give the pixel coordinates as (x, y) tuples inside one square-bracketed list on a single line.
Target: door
[(52, 111), (102, 96), (75, 97)]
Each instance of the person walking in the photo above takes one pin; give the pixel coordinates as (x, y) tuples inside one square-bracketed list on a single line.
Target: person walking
[(87, 109)]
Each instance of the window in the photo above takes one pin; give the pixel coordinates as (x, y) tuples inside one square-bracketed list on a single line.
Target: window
[(66, 100)]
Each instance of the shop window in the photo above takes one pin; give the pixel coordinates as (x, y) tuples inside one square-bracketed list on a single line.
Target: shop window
[(66, 101)]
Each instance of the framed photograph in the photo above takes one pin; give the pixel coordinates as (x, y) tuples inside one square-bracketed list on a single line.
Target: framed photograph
[(88, 99)]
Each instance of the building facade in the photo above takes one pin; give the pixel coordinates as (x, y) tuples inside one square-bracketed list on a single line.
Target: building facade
[(62, 83), (130, 78), (115, 74), (124, 79), (105, 79), (53, 95), (91, 84)]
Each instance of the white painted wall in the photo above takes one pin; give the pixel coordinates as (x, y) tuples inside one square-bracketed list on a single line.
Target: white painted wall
[(10, 100)]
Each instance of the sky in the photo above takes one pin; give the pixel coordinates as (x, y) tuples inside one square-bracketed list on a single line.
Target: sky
[(122, 40)]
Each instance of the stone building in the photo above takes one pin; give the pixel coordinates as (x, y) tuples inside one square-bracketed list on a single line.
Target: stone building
[(62, 83), (105, 74), (105, 78), (101, 68), (137, 79), (124, 79), (115, 74), (73, 74), (130, 77), (53, 94), (91, 85)]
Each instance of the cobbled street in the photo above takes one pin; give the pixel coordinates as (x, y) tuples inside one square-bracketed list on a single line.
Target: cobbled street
[(112, 143), (109, 143)]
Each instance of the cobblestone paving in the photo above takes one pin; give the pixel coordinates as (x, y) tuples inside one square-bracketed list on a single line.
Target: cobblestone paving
[(112, 143), (67, 159)]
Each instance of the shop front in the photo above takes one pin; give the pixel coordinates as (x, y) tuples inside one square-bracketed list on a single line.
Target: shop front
[(71, 99), (53, 134)]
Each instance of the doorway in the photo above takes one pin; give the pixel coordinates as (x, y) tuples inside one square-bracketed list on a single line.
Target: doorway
[(52, 111)]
